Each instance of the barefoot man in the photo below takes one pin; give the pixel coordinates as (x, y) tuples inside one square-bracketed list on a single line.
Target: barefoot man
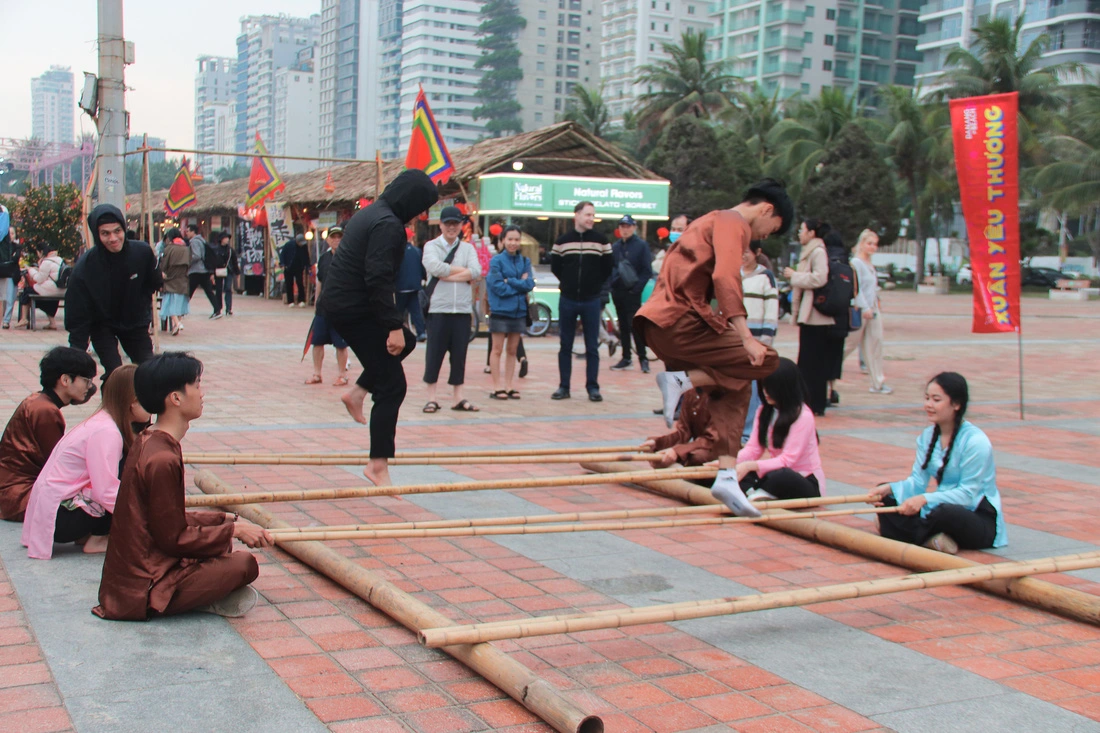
[(707, 348), (359, 302)]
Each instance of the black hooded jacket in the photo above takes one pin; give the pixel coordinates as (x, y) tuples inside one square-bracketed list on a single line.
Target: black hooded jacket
[(360, 282), (108, 289)]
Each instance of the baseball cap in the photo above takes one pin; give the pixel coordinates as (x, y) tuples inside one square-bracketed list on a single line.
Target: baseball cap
[(628, 220), (450, 213), (335, 230)]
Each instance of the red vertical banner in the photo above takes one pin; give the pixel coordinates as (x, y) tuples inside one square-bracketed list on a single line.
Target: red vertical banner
[(987, 161)]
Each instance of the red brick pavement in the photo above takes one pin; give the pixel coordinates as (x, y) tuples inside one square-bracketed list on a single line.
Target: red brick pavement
[(357, 670)]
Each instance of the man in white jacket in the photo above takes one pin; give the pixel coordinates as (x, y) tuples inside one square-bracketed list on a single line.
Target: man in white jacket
[(450, 306)]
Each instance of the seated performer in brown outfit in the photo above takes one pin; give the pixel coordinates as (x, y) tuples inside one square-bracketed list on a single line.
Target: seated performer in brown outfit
[(37, 425), (161, 559), (708, 348), (694, 438)]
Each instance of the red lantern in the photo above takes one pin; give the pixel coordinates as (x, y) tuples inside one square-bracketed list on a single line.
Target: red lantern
[(662, 233), (495, 229)]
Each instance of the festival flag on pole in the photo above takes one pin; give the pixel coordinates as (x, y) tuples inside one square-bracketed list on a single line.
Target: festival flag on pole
[(330, 186), (987, 162), (264, 181), (427, 151), (182, 193)]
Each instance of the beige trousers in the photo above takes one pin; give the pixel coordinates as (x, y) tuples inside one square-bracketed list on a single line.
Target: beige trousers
[(869, 340)]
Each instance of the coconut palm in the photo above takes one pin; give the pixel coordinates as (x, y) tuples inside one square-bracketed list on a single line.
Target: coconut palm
[(587, 108), (799, 141), (754, 118), (685, 83)]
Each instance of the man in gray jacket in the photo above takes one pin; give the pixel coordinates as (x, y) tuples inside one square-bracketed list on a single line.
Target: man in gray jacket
[(197, 274), (450, 306)]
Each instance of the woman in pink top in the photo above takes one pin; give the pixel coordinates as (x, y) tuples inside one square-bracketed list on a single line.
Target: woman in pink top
[(74, 496), (785, 428)]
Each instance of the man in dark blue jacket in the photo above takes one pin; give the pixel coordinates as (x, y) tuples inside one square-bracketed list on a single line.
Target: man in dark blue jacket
[(633, 265), (410, 281)]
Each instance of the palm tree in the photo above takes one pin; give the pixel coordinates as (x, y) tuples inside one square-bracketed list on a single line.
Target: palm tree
[(587, 108), (800, 140), (754, 119), (685, 83)]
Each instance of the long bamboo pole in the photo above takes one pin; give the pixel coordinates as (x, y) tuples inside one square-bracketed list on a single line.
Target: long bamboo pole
[(1058, 599), (327, 534), (229, 154), (372, 491), (512, 677), (590, 516), (275, 459), (198, 456), (147, 224), (685, 611)]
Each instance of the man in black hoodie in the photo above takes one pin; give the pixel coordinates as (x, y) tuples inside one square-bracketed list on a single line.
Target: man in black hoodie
[(360, 303), (633, 269), (109, 300)]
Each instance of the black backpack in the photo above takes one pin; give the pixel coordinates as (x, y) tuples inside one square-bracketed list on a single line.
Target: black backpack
[(9, 261), (64, 274), (835, 296)]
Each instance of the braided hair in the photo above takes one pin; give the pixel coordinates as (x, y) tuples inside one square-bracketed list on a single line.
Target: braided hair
[(954, 386)]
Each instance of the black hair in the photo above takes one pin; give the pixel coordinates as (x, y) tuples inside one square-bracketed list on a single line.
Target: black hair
[(172, 235), (62, 360), (755, 246), (581, 204), (162, 375), (509, 228), (773, 192), (786, 386), (677, 216), (191, 228), (833, 241), (131, 235), (954, 386), (222, 235), (819, 227)]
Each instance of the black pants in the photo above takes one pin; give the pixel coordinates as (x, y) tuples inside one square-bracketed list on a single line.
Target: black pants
[(626, 305), (783, 483), (971, 530), (383, 376), (136, 342), (834, 356), (49, 307), (813, 362), (447, 332), (73, 524), (203, 280), (292, 279), (408, 301)]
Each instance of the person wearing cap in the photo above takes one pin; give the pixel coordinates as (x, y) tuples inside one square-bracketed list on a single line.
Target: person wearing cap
[(321, 332), (452, 264), (704, 347), (633, 264), (109, 301)]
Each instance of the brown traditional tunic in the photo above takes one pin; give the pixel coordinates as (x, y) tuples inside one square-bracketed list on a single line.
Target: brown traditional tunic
[(35, 428), (159, 551), (694, 436)]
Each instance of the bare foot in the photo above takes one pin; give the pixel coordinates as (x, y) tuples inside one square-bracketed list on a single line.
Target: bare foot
[(95, 545), (378, 472), (353, 400)]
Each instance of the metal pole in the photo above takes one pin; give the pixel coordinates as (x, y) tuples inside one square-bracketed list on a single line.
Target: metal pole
[(111, 117)]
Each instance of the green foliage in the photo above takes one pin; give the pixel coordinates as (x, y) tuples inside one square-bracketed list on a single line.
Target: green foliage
[(48, 221), (496, 91), (800, 140), (587, 108), (161, 175), (231, 173), (846, 188)]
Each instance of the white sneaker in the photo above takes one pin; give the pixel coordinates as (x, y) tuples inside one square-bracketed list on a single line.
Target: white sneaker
[(759, 495), (289, 305), (301, 305), (234, 605), (881, 390), (671, 388), (729, 492)]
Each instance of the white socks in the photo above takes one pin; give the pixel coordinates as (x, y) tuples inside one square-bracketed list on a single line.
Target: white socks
[(728, 490)]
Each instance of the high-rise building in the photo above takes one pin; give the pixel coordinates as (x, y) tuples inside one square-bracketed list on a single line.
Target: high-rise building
[(1073, 27), (266, 43), (52, 106), (792, 47), (559, 49), (348, 78), (133, 143), (295, 121), (215, 104), (388, 111), (632, 34)]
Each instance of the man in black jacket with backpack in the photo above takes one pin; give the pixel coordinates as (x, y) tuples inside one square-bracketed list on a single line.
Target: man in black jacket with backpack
[(633, 265), (109, 300)]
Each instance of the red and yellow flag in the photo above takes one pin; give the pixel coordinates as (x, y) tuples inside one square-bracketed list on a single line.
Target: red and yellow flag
[(264, 181), (182, 193), (427, 151)]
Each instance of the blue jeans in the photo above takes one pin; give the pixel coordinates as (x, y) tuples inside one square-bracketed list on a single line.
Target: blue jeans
[(588, 311), (409, 301), (750, 416), (8, 293)]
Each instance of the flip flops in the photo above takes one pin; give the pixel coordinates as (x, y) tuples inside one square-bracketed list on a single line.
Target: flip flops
[(513, 394), (466, 406), (500, 394), (431, 407)]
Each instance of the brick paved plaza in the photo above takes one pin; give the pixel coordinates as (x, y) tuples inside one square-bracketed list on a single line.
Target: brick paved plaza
[(312, 655)]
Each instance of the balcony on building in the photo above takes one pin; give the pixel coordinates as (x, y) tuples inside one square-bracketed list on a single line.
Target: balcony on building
[(933, 7), (784, 16), (785, 68), (790, 43)]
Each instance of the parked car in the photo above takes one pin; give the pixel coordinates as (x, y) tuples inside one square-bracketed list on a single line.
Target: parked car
[(964, 277), (1044, 277)]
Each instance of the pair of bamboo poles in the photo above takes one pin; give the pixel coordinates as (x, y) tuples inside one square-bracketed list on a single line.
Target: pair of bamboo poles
[(429, 458)]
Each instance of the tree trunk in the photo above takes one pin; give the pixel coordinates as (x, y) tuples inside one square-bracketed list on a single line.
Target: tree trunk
[(918, 230)]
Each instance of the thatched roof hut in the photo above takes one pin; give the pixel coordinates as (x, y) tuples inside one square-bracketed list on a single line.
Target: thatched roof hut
[(565, 148)]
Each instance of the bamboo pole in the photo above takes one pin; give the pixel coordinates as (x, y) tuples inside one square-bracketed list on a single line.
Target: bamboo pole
[(372, 491), (147, 224), (1058, 599), (230, 154), (328, 534), (512, 677), (587, 516), (275, 459), (667, 613), (195, 456)]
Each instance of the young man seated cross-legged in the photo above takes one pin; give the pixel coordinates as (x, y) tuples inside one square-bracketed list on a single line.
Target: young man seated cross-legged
[(163, 560)]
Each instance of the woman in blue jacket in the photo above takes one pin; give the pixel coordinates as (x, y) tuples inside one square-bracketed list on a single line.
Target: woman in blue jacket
[(963, 510), (510, 280)]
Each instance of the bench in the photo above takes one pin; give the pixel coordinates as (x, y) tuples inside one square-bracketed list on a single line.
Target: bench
[(35, 298), (1079, 289)]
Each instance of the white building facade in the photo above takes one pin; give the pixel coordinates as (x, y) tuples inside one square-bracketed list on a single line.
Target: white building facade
[(52, 105), (295, 122), (215, 96)]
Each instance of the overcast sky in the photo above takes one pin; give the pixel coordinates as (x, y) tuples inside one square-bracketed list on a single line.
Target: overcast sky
[(168, 37)]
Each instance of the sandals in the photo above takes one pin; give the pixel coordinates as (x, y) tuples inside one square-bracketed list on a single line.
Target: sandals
[(315, 379), (500, 394), (513, 394), (340, 381), (466, 406), (431, 407)]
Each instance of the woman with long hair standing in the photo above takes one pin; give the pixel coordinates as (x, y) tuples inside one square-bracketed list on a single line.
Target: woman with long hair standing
[(868, 339), (963, 510), (75, 493), (510, 280), (813, 325), (173, 267)]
